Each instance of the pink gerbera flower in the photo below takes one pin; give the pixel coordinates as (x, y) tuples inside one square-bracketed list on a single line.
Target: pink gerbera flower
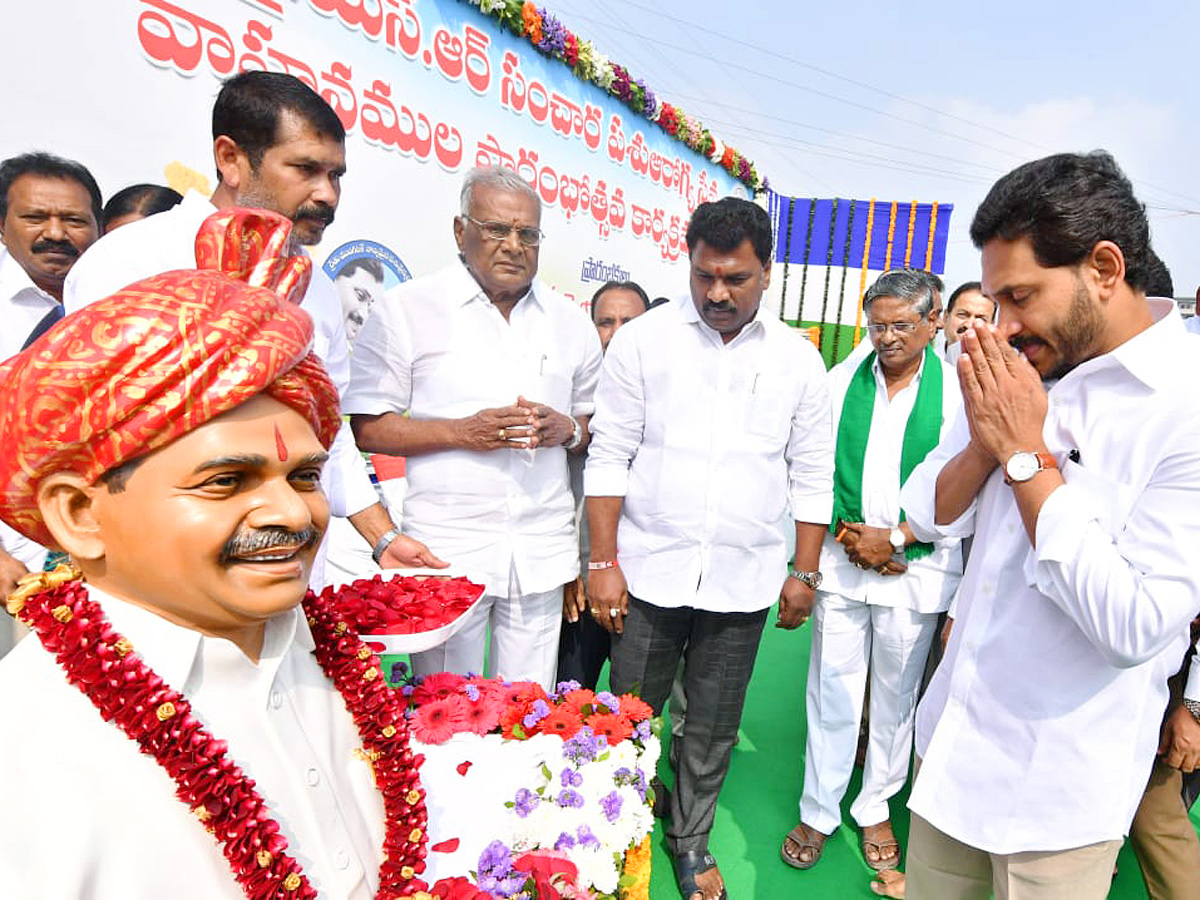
[(437, 686), (437, 721)]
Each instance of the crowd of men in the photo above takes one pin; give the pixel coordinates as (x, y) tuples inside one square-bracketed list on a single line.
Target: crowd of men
[(619, 485)]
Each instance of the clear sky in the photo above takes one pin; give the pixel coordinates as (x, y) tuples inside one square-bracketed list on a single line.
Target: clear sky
[(929, 100)]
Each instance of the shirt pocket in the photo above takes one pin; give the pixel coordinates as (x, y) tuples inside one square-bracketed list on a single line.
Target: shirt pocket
[(769, 409)]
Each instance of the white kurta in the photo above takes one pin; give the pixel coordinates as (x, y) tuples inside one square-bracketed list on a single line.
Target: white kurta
[(86, 814), (437, 348), (711, 445), (1055, 677)]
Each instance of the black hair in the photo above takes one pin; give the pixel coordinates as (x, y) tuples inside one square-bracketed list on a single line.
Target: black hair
[(622, 286), (1158, 278), (142, 199), (725, 223), (248, 108), (368, 263), (659, 301), (964, 288), (47, 165), (1066, 204)]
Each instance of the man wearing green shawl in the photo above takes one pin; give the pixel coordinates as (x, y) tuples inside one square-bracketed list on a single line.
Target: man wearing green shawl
[(877, 609)]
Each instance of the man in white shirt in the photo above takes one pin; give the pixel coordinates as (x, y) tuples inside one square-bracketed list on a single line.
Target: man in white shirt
[(967, 306), (49, 214), (278, 146), (883, 588), (175, 728), (483, 378), (1077, 465), (711, 427)]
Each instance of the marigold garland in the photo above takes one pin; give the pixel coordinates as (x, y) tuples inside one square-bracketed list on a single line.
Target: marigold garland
[(102, 664)]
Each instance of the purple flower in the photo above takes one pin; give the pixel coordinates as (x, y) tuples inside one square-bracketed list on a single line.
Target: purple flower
[(586, 838), (569, 798), (565, 841), (582, 748), (472, 692), (554, 35), (399, 671), (570, 778), (565, 687), (642, 730), (525, 802), (407, 690), (495, 856), (539, 711), (611, 804), (610, 700)]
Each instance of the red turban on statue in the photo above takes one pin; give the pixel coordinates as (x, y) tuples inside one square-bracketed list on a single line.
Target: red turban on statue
[(131, 373)]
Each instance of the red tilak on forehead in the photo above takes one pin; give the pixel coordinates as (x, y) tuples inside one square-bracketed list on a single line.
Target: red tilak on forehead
[(720, 271), (280, 446)]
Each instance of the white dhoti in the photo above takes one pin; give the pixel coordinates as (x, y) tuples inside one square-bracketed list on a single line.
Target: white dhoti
[(850, 636)]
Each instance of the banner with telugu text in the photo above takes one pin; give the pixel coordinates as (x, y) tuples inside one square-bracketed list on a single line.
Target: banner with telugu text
[(426, 89)]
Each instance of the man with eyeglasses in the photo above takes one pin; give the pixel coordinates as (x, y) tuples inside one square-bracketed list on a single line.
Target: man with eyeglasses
[(877, 609), (483, 378)]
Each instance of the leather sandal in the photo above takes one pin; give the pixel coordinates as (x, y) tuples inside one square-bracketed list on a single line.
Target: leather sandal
[(688, 865), (804, 838), (880, 841)]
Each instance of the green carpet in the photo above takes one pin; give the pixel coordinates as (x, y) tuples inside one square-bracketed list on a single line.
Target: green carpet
[(760, 799)]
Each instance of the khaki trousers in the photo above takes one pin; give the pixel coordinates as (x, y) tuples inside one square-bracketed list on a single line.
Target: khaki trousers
[(941, 868)]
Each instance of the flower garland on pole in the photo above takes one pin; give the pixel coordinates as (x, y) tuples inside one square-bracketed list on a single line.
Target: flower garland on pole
[(551, 38)]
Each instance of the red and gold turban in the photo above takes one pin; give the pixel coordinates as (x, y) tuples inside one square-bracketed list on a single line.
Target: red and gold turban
[(132, 372)]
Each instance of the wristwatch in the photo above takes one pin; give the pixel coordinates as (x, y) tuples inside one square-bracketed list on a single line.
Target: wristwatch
[(812, 579), (576, 435), (898, 540), (1193, 707), (1024, 464), (383, 543)]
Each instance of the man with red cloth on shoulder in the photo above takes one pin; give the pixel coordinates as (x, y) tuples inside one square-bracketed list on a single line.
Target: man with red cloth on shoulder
[(183, 727)]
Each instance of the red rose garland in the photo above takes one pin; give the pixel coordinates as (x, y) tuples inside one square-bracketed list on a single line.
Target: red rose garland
[(100, 662)]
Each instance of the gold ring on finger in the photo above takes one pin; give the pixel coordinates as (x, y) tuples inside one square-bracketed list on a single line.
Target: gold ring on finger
[(502, 434)]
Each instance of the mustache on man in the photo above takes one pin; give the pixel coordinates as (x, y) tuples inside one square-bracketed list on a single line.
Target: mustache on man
[(250, 541), (48, 245)]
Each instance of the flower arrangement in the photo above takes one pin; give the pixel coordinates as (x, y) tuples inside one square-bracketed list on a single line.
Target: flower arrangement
[(577, 805), (553, 39)]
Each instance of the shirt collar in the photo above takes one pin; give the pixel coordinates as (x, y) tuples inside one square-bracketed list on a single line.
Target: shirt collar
[(464, 288), (750, 330), (877, 369), (14, 279), (1143, 355), (175, 652)]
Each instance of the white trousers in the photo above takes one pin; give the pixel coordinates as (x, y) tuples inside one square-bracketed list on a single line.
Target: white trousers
[(850, 636), (524, 638)]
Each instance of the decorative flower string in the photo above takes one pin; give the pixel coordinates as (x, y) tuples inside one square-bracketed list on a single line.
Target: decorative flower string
[(102, 664), (553, 39)]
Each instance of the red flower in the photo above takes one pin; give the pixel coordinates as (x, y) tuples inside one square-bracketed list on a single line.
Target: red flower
[(562, 721), (580, 701), (614, 727), (547, 869), (437, 721), (635, 709), (437, 686), (483, 715), (458, 888)]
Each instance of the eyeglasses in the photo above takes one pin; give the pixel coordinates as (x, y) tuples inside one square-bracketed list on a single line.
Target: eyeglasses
[(901, 328), (499, 231)]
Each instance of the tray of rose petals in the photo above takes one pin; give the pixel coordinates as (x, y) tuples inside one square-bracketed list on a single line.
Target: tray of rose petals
[(406, 610)]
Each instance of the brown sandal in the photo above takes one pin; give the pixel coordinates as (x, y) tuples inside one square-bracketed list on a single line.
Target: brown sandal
[(804, 838), (880, 840)]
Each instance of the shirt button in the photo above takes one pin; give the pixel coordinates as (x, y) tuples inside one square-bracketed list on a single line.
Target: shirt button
[(276, 699), (341, 859), (314, 777)]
